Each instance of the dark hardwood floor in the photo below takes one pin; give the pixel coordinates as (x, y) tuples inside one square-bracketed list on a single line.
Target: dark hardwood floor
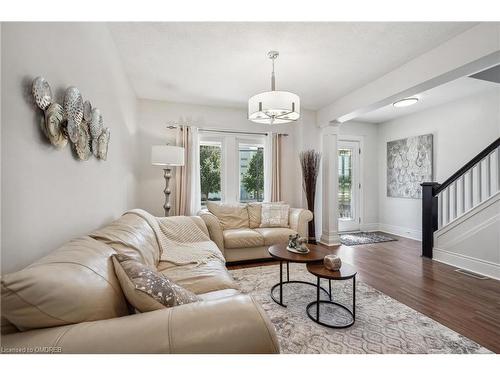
[(464, 304)]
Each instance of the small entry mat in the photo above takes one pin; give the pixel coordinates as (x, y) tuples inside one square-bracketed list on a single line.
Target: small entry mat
[(363, 238)]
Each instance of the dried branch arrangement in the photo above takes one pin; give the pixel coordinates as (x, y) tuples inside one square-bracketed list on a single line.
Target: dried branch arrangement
[(310, 161)]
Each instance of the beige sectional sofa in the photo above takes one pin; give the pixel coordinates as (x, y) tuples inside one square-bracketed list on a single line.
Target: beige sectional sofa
[(70, 301), (236, 229)]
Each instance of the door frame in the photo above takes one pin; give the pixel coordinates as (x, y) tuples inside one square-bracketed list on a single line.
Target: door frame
[(360, 174)]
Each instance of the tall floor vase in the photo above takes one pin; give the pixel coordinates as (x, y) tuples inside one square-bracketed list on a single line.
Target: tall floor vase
[(309, 161)]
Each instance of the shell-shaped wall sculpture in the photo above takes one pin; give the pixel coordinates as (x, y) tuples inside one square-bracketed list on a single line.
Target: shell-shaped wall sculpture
[(96, 123), (103, 141), (73, 106), (76, 120), (41, 92), (82, 145), (53, 123), (87, 111), (72, 129)]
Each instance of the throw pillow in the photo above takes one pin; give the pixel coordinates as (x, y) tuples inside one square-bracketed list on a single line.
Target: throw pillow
[(274, 215), (147, 289), (254, 214), (231, 216)]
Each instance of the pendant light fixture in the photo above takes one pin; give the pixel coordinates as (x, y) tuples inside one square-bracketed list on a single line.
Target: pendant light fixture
[(274, 107)]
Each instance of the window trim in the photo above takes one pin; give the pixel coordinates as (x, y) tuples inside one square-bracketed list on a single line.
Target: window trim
[(229, 142)]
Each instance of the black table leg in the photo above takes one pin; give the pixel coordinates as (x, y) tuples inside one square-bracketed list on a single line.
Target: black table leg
[(316, 304), (317, 300), (279, 300), (281, 282), (330, 289), (354, 298)]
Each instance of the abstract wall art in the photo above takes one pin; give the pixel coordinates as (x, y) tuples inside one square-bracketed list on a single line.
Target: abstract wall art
[(409, 163)]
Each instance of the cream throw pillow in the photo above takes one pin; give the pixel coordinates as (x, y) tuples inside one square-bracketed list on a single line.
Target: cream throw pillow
[(254, 214), (274, 215), (231, 216), (147, 289)]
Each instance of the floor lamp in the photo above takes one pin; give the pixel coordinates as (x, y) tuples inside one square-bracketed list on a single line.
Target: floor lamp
[(167, 157)]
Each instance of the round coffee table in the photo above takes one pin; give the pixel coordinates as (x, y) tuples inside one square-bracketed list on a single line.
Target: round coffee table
[(345, 272), (279, 252)]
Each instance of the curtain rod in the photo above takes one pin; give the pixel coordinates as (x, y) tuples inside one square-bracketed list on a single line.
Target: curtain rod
[(226, 131)]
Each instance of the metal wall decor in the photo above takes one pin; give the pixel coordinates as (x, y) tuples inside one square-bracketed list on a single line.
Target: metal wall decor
[(409, 163), (75, 120)]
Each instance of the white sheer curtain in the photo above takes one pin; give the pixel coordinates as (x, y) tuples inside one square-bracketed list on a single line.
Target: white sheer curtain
[(195, 196), (268, 167), (187, 181)]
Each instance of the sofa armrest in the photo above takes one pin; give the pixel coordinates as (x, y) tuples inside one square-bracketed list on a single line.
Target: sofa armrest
[(214, 228), (233, 324), (298, 219)]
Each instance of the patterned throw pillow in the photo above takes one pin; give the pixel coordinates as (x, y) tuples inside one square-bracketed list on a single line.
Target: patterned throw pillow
[(274, 215), (147, 289)]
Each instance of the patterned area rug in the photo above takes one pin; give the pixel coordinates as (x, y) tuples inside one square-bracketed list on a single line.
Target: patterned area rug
[(383, 325), (362, 238)]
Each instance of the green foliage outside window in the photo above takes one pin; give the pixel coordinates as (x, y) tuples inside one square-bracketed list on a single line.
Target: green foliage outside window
[(210, 165), (253, 179)]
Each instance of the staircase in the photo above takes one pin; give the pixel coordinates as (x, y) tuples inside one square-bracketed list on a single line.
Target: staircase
[(461, 216)]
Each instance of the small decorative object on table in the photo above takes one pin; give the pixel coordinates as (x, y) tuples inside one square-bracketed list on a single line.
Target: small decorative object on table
[(297, 244), (332, 262)]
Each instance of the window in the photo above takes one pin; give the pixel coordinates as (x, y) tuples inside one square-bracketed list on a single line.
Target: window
[(231, 167), (251, 163), (210, 171)]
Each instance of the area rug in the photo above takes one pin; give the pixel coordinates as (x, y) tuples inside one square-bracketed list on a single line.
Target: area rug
[(383, 325), (362, 238)]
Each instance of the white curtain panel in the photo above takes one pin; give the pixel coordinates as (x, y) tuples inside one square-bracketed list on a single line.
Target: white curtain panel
[(194, 197), (268, 167)]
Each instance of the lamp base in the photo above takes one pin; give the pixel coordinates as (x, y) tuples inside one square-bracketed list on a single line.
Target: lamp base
[(166, 206)]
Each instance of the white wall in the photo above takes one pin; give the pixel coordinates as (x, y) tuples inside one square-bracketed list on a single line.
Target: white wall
[(461, 129), (153, 118), (49, 197)]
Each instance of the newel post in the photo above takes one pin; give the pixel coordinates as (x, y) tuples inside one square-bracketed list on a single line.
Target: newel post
[(429, 217)]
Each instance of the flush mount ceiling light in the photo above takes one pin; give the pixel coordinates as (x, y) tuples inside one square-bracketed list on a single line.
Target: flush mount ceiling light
[(274, 107), (405, 102)]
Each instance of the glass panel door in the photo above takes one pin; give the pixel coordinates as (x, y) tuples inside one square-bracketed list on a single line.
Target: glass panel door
[(348, 187), (345, 184)]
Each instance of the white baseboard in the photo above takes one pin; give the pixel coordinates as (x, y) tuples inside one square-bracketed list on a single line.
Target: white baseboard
[(369, 227), (414, 234), (468, 263)]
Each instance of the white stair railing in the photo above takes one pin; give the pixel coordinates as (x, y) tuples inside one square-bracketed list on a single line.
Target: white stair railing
[(479, 183)]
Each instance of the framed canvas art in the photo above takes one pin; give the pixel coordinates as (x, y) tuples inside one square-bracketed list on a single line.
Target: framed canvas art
[(409, 163)]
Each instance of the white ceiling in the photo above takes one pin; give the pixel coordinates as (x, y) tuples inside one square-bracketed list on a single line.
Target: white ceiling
[(448, 92), (224, 64)]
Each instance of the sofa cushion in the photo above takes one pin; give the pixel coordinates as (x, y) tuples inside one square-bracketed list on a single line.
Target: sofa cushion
[(274, 236), (231, 216), (199, 278), (254, 214), (131, 235), (237, 238), (274, 215), (75, 283), (147, 289)]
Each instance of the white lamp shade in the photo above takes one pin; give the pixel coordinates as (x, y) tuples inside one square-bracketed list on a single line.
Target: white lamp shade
[(274, 107), (167, 155)]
